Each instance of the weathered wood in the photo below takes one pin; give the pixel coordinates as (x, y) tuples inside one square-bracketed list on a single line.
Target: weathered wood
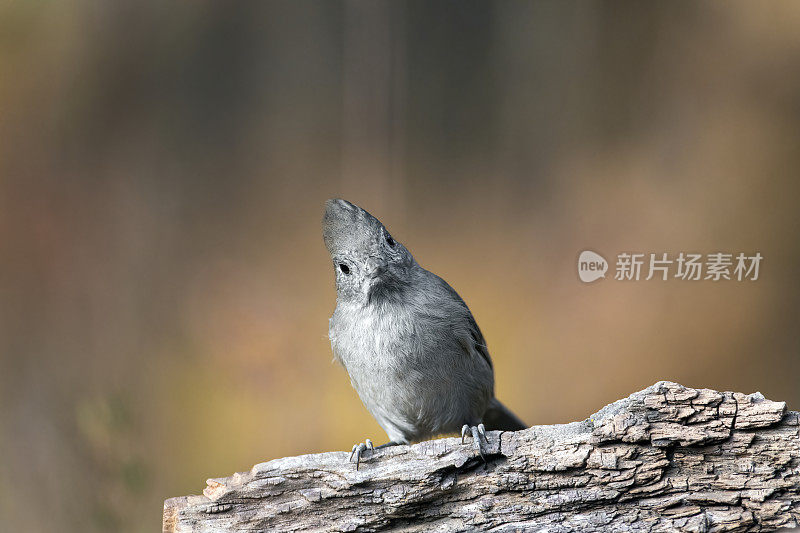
[(668, 458)]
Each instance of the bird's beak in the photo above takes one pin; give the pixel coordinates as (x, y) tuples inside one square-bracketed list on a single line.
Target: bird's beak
[(338, 207), (336, 222)]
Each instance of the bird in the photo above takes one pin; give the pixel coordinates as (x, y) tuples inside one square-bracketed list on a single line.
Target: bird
[(410, 345)]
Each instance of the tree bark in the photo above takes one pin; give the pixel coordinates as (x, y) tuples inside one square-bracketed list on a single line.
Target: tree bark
[(668, 458)]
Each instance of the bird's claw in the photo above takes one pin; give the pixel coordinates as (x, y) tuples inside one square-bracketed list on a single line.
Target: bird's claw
[(359, 449), (477, 432)]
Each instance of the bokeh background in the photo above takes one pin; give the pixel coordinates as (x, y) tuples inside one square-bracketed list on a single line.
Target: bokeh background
[(163, 167)]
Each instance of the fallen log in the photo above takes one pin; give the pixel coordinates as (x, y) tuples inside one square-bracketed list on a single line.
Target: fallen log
[(668, 458)]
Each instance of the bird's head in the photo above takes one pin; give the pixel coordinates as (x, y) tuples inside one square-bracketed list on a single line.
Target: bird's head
[(368, 261)]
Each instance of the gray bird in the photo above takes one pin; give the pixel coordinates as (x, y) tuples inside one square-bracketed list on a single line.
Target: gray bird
[(409, 343)]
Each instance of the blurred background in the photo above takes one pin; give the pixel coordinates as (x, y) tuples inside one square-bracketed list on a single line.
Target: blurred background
[(163, 167)]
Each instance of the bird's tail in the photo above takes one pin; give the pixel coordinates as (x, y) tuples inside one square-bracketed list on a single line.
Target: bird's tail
[(498, 417)]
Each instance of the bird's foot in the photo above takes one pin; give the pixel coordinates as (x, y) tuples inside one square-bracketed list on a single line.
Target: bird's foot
[(477, 432), (359, 449)]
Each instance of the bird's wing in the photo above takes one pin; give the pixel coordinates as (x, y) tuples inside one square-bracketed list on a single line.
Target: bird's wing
[(476, 340)]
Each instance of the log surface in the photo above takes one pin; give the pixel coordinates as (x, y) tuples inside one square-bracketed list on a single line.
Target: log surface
[(668, 458)]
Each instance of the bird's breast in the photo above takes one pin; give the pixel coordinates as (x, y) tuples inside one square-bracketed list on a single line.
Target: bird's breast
[(371, 337)]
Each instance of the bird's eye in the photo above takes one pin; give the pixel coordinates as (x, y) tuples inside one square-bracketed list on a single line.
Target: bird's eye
[(389, 240), (344, 268)]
